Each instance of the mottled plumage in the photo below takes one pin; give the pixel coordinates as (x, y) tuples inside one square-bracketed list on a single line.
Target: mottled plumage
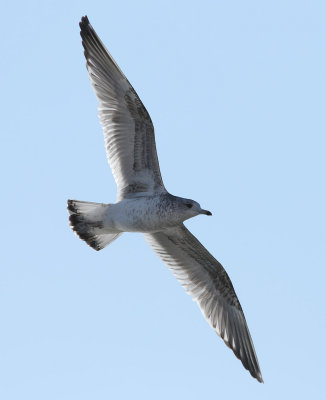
[(144, 205)]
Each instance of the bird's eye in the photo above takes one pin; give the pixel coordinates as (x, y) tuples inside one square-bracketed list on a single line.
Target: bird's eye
[(189, 205)]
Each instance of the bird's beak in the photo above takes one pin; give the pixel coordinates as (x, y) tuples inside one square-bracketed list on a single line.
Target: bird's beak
[(205, 212)]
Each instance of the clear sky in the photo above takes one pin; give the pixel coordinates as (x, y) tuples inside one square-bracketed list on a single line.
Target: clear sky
[(236, 91)]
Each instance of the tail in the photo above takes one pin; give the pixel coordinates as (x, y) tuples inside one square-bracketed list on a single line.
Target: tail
[(86, 220)]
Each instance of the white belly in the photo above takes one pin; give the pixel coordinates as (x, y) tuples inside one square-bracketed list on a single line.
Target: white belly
[(138, 215)]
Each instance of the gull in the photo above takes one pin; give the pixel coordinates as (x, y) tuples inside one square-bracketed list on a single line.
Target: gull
[(144, 205)]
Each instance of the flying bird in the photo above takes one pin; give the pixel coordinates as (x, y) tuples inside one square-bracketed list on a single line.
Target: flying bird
[(144, 205)]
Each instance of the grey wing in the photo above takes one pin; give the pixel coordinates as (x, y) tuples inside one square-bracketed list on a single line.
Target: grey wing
[(127, 126), (207, 282)]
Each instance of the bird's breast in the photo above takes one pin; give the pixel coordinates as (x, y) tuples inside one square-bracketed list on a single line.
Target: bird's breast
[(148, 214)]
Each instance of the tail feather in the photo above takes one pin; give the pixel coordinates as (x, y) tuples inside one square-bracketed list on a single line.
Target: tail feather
[(86, 220)]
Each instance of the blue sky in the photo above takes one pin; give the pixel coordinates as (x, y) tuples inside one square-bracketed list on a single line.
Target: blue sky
[(236, 91)]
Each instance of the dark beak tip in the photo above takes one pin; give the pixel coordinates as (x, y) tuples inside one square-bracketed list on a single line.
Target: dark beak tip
[(208, 213)]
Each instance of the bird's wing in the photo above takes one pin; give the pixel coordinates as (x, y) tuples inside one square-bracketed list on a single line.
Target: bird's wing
[(128, 129), (207, 282)]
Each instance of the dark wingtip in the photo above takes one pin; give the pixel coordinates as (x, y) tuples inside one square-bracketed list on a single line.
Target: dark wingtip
[(85, 26), (84, 21), (259, 377)]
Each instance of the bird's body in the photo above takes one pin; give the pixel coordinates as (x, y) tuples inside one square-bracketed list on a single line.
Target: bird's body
[(148, 214), (141, 214), (145, 214), (144, 205)]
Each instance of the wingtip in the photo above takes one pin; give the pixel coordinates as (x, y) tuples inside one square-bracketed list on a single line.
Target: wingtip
[(254, 372), (84, 25), (86, 32), (259, 377), (249, 363), (84, 21)]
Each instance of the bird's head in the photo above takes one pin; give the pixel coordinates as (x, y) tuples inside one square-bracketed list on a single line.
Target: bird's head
[(191, 208)]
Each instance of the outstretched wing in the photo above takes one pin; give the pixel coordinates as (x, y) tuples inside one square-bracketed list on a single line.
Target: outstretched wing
[(127, 126), (207, 282)]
